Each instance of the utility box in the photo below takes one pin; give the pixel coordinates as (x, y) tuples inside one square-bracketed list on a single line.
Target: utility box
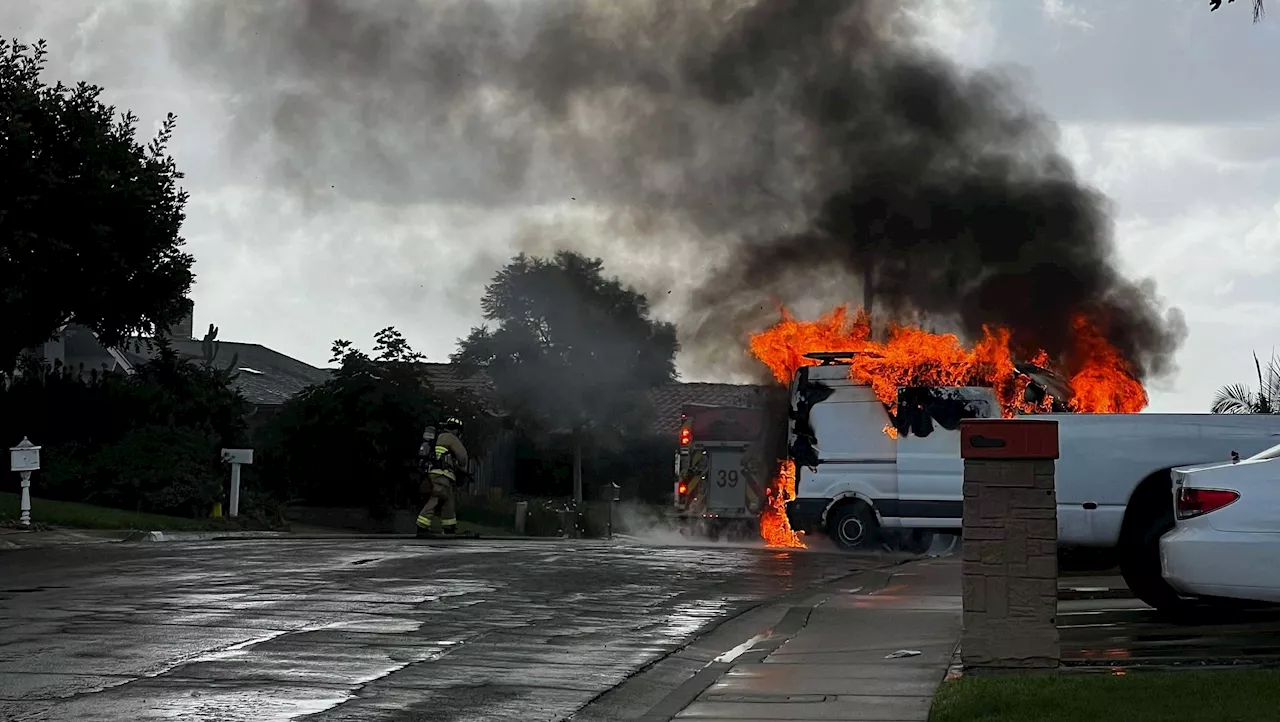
[(1010, 567)]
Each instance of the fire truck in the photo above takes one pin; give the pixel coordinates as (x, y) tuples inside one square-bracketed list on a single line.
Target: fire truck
[(722, 471)]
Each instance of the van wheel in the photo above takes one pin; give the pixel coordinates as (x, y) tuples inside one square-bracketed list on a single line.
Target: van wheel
[(853, 526), (1140, 562)]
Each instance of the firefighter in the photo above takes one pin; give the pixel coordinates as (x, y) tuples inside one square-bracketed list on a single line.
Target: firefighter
[(447, 458)]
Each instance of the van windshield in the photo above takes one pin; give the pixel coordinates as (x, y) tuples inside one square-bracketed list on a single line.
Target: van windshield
[(1272, 453)]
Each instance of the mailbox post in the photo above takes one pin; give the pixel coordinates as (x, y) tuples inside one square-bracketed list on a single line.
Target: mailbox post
[(1010, 567), (24, 459), (236, 457), (613, 493)]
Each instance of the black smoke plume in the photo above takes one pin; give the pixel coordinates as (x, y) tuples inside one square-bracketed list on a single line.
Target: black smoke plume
[(817, 149)]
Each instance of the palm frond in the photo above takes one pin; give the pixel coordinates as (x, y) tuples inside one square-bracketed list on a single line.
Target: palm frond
[(1234, 399)]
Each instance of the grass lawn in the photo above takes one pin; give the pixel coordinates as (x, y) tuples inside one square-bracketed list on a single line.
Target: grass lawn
[(1226, 696), (87, 516)]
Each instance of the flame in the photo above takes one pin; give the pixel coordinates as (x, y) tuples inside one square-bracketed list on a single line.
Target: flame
[(1101, 381), (910, 356), (1103, 385), (775, 528)]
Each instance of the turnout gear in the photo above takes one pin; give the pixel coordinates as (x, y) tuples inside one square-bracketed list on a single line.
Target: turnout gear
[(444, 458)]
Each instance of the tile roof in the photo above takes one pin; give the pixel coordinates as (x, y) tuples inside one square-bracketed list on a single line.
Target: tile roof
[(265, 377), (668, 400), (451, 378)]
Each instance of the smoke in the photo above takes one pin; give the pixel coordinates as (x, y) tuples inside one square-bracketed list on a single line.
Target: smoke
[(795, 151)]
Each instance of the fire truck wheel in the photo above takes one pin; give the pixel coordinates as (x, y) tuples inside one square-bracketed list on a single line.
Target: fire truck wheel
[(853, 526)]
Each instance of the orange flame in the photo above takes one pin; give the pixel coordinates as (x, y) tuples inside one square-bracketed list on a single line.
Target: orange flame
[(775, 529), (911, 356), (1101, 382)]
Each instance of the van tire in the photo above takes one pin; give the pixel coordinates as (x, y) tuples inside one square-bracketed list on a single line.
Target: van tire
[(853, 526), (1140, 560)]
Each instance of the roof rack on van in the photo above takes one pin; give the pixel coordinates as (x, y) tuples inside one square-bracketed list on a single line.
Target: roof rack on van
[(838, 358)]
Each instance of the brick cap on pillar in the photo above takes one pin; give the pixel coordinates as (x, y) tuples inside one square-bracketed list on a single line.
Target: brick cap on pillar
[(1009, 439)]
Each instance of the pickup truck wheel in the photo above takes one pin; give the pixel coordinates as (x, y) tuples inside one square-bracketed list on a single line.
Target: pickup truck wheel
[(917, 541), (1140, 563), (853, 526)]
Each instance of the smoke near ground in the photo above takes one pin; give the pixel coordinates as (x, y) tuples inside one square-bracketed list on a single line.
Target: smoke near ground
[(808, 152)]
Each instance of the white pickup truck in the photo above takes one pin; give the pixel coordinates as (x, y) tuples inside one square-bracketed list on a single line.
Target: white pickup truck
[(858, 470)]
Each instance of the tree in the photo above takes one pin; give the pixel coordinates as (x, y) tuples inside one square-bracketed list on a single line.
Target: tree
[(1258, 10), (571, 350), (1240, 399), (353, 440), (89, 218)]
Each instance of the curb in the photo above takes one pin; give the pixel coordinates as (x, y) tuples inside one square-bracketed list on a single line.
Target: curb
[(1078, 594), (222, 536)]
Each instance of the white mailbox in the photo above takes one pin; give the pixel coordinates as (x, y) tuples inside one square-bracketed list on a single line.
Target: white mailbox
[(25, 456), (237, 456)]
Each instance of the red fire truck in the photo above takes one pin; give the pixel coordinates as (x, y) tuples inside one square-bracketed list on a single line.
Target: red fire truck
[(721, 471)]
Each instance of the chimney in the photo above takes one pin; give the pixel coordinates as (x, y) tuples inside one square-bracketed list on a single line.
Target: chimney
[(184, 329)]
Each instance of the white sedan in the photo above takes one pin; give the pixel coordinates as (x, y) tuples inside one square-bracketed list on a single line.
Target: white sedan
[(1226, 537)]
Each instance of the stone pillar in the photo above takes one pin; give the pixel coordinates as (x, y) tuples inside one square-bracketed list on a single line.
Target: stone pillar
[(1010, 569)]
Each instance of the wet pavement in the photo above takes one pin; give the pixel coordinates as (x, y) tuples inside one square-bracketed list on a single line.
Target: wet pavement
[(1103, 628), (361, 629)]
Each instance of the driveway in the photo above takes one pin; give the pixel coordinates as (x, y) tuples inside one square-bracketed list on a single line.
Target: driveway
[(1102, 627)]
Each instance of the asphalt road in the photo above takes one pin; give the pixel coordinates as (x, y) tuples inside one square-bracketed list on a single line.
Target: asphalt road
[(360, 630)]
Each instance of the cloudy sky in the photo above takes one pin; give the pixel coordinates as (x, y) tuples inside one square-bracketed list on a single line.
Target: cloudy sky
[(1162, 106)]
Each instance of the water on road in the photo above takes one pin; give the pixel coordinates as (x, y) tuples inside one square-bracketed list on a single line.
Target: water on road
[(361, 629)]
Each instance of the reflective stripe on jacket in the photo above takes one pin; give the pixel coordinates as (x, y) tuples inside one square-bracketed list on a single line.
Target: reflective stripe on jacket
[(450, 454)]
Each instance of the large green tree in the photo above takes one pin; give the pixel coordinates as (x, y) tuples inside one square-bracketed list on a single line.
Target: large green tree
[(570, 350), (89, 217)]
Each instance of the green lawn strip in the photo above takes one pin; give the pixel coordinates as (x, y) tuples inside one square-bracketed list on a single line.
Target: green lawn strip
[(74, 515), (87, 516), (1218, 696)]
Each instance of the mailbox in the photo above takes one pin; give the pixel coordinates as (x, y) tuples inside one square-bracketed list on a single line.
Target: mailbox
[(237, 456), (24, 457), (1008, 439)]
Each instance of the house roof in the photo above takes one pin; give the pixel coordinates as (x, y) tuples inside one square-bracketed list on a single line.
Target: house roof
[(667, 400), (451, 378), (670, 399), (264, 377)]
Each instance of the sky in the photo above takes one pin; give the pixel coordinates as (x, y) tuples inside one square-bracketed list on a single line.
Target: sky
[(1161, 105)]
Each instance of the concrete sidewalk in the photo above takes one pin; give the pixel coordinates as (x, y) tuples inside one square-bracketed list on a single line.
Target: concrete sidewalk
[(833, 665)]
